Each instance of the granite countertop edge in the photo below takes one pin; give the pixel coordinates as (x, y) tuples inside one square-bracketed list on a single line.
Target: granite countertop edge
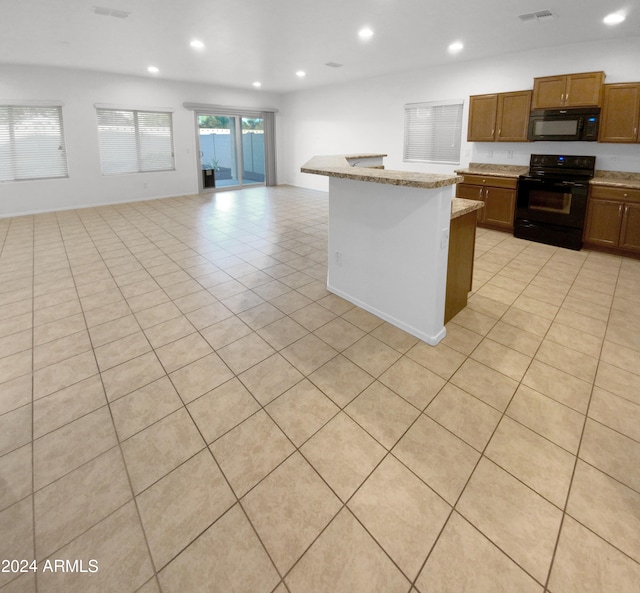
[(338, 166), (462, 206)]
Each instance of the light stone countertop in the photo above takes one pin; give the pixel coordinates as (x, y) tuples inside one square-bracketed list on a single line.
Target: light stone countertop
[(338, 166), (621, 179), (462, 206), (492, 170)]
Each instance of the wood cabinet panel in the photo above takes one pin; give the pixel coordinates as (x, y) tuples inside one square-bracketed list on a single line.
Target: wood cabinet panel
[(630, 228), (462, 239), (603, 222), (502, 117), (513, 116), (499, 197), (613, 219), (621, 194), (620, 113), (569, 90), (548, 91), (584, 89), (499, 207), (494, 181), (482, 118), (469, 192)]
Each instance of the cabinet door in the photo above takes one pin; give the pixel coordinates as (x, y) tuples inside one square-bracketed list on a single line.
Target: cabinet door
[(604, 218), (482, 118), (548, 92), (471, 192), (620, 113), (499, 206), (584, 89), (630, 230), (513, 116)]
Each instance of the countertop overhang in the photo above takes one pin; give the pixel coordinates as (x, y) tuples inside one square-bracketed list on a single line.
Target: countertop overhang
[(339, 166)]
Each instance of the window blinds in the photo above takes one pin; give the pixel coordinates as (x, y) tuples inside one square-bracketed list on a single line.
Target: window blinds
[(31, 143), (135, 141), (433, 132)]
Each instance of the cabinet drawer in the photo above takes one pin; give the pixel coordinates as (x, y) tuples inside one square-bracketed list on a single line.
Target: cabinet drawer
[(615, 193), (508, 182)]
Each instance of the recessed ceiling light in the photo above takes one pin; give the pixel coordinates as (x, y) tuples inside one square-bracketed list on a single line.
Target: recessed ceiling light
[(615, 18), (257, 84), (197, 44), (153, 69), (365, 33), (301, 73), (455, 47)]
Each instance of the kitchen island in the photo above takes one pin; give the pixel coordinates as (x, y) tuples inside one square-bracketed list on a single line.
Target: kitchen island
[(389, 239)]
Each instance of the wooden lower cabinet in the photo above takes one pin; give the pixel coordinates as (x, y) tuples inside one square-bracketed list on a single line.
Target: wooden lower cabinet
[(630, 229), (462, 242), (613, 219), (499, 197)]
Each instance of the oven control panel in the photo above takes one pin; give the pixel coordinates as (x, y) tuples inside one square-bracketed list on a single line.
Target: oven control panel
[(559, 161)]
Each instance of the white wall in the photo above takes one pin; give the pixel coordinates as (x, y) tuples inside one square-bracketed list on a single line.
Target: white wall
[(79, 91), (367, 116)]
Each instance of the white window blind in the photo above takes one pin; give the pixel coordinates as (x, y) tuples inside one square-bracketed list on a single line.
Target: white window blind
[(433, 132), (31, 142), (135, 141)]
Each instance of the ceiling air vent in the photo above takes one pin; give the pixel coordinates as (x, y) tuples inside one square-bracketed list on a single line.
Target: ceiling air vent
[(104, 11), (539, 16), (333, 65)]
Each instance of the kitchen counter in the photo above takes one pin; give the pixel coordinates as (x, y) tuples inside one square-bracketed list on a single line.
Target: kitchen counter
[(353, 167), (462, 206), (492, 170), (621, 179), (389, 236)]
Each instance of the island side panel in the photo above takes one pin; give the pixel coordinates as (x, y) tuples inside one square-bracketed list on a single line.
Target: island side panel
[(388, 252)]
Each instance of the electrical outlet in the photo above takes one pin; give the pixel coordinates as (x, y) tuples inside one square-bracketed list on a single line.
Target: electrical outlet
[(444, 239), (339, 258)]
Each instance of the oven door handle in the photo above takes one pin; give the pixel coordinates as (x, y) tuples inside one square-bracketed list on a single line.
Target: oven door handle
[(574, 183)]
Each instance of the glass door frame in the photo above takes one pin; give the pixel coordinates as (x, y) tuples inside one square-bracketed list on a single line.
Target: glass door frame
[(239, 157)]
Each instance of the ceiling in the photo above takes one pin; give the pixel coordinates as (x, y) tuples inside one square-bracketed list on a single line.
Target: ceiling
[(269, 40)]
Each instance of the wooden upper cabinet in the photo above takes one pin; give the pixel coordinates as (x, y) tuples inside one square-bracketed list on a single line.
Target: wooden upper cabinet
[(503, 117), (513, 116), (569, 90), (482, 118), (620, 113)]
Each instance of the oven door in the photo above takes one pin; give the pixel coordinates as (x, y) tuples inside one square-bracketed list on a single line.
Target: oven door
[(554, 202)]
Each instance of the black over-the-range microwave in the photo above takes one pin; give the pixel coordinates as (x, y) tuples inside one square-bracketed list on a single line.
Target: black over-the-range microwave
[(579, 124)]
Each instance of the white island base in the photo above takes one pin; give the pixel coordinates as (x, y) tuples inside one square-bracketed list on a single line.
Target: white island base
[(388, 247)]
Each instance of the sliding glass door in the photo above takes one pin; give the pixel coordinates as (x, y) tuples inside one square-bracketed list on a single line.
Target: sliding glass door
[(232, 150)]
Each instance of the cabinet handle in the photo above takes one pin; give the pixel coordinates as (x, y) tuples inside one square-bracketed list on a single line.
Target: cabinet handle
[(620, 209), (625, 195), (562, 99), (566, 99)]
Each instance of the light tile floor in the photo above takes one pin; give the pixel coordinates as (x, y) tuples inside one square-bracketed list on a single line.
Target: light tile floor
[(182, 401)]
